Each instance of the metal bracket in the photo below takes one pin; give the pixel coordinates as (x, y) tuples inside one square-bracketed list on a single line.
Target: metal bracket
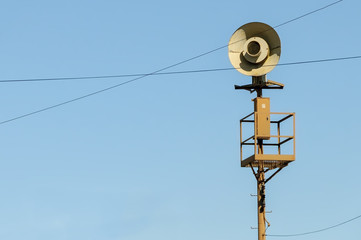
[(260, 82), (273, 174), (254, 173)]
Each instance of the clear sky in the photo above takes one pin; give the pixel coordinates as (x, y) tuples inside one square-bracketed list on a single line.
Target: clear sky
[(158, 158)]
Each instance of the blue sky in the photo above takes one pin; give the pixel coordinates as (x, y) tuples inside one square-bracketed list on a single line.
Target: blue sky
[(158, 158)]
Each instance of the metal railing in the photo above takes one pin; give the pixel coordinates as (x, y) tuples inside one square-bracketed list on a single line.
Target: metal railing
[(275, 140)]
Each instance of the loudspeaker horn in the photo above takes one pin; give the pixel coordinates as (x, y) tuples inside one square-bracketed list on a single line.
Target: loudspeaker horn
[(254, 49)]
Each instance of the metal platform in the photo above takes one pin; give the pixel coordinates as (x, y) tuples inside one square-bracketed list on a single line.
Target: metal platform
[(259, 158), (268, 160)]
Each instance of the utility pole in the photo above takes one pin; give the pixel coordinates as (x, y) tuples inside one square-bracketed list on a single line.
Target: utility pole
[(261, 206), (261, 195), (254, 50)]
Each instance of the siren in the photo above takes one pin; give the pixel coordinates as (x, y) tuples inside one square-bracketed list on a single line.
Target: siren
[(254, 49)]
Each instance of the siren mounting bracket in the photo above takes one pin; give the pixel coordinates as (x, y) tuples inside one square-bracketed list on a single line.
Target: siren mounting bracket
[(258, 83)]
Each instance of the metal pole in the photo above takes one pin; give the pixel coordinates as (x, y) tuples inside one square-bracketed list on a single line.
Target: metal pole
[(261, 189), (261, 204)]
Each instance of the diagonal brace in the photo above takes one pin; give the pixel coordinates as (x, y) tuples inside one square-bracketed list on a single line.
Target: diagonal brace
[(274, 174)]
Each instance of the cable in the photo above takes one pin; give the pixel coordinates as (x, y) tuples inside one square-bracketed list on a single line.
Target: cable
[(319, 61), (306, 233), (304, 15), (146, 75), (171, 66), (172, 73)]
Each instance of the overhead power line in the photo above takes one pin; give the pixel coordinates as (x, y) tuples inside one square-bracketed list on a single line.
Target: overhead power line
[(144, 75), (160, 72), (309, 13), (155, 72), (320, 230), (169, 73)]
